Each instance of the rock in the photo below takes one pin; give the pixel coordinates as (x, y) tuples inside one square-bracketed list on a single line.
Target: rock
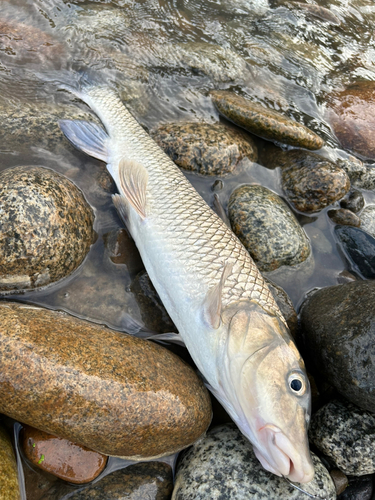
[(205, 148), (353, 201), (361, 175), (367, 218), (340, 480), (46, 227), (267, 228), (344, 217), (319, 12), (9, 486), (264, 122), (151, 481), (338, 327), (285, 305), (360, 488), (358, 248), (60, 457), (153, 312), (345, 434), (351, 113), (111, 392), (38, 482), (223, 465), (121, 249), (311, 182)]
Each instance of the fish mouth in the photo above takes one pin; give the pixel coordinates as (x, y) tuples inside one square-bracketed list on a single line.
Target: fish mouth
[(280, 457)]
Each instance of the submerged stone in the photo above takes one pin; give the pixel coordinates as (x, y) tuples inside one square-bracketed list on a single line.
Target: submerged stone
[(111, 392), (9, 486), (206, 148), (358, 248), (267, 228), (353, 201), (338, 327), (264, 122), (367, 218), (46, 227), (344, 217)]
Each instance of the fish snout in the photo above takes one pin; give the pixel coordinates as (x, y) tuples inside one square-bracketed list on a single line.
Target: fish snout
[(279, 456)]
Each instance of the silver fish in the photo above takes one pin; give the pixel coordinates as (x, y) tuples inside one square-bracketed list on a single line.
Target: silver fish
[(210, 286)]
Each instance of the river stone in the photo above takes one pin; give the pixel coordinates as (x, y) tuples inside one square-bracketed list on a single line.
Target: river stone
[(60, 457), (359, 488), (351, 113), (267, 228), (285, 305), (9, 487), (111, 392), (361, 175), (340, 480), (46, 227), (223, 465), (264, 122), (367, 218), (206, 148), (338, 328), (353, 201), (358, 248), (345, 434), (310, 181), (344, 217)]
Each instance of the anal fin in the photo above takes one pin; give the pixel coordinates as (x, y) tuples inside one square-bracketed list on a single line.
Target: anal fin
[(133, 185)]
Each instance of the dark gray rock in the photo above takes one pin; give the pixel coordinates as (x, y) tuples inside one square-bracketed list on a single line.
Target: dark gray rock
[(345, 434), (360, 488), (338, 328), (206, 148), (267, 228), (285, 305), (223, 465), (353, 201), (358, 248), (344, 217), (46, 227)]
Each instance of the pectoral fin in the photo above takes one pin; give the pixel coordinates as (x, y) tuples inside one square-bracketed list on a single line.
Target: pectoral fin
[(133, 184), (87, 137), (212, 304), (174, 338)]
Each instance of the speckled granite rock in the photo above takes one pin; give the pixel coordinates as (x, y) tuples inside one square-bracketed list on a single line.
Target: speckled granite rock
[(358, 248), (285, 305), (311, 182), (223, 465), (361, 175), (264, 122), (353, 201), (9, 487), (206, 148), (60, 457), (114, 393), (344, 217), (46, 227), (351, 114), (338, 327), (345, 433), (267, 228), (367, 218), (151, 481)]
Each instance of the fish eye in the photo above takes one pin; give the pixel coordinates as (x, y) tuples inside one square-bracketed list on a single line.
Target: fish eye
[(297, 383)]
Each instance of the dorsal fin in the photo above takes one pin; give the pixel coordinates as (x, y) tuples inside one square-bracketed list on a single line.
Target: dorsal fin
[(212, 302), (133, 185)]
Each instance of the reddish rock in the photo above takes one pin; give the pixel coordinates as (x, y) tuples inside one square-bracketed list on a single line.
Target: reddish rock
[(66, 460), (351, 114)]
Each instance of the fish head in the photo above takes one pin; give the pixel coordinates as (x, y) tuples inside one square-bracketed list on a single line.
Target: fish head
[(266, 385)]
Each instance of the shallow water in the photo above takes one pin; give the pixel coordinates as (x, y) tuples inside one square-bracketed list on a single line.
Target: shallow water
[(155, 52)]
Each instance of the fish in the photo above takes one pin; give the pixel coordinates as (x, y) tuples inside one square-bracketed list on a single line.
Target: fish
[(217, 298)]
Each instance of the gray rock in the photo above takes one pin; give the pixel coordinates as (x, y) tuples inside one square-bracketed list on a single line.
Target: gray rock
[(267, 228), (46, 227), (345, 434), (361, 175), (223, 465), (367, 217), (206, 148), (353, 201), (9, 486), (344, 217), (338, 328)]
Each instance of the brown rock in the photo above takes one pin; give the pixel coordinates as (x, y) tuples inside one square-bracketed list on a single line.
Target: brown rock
[(351, 114), (263, 121), (46, 227), (66, 460), (344, 217), (9, 487), (122, 250), (206, 148), (114, 393), (340, 480)]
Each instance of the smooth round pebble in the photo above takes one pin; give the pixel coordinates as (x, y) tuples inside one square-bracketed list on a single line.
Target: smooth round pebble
[(344, 217), (345, 434), (46, 227), (9, 486), (267, 228), (205, 148), (367, 218), (222, 465), (358, 248), (263, 121)]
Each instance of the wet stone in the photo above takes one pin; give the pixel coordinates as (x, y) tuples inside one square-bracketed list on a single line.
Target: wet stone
[(358, 248), (285, 305), (344, 217), (223, 465), (121, 249), (361, 175), (264, 122), (360, 488), (205, 148), (267, 228), (367, 218), (345, 434), (353, 201), (46, 227), (351, 114), (311, 182), (338, 327), (340, 480), (60, 457), (113, 393), (9, 486)]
